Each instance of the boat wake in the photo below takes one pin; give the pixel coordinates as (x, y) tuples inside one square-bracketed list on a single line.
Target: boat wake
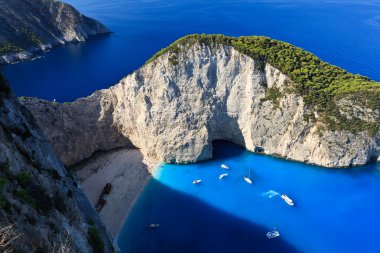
[(270, 194)]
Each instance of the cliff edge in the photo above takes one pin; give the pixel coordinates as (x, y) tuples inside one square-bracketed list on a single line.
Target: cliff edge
[(263, 94), (42, 207), (28, 27)]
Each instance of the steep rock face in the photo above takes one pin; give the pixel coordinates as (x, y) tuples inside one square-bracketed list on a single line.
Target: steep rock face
[(29, 26), (175, 106), (78, 129), (40, 201)]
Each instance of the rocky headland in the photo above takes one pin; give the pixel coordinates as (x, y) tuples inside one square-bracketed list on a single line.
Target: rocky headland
[(28, 27), (263, 94)]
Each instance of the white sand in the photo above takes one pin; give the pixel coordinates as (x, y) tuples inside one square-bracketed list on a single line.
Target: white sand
[(127, 171)]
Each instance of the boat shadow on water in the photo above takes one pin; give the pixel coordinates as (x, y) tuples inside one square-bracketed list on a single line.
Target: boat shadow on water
[(189, 225)]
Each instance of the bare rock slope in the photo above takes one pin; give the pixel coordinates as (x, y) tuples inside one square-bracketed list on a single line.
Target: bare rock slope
[(42, 208), (29, 26), (176, 105)]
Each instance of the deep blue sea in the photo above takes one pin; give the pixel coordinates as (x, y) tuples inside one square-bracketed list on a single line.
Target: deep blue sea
[(343, 32), (336, 210)]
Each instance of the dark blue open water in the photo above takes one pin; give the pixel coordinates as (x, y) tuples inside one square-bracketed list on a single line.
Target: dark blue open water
[(336, 210), (343, 32)]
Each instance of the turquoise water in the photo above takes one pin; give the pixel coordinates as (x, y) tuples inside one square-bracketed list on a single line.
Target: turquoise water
[(343, 32), (336, 210)]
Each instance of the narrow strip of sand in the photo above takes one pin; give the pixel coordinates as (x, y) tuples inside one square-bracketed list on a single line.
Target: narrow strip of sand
[(128, 172)]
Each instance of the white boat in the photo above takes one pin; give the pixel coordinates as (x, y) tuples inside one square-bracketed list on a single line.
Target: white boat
[(224, 166), (154, 225), (223, 175), (248, 179), (197, 181), (288, 200), (273, 234)]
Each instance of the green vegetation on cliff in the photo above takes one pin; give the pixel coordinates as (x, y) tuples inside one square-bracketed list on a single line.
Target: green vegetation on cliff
[(95, 241), (319, 83), (32, 37), (7, 47)]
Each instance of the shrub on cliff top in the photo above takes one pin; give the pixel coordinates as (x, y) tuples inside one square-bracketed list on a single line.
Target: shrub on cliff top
[(319, 83)]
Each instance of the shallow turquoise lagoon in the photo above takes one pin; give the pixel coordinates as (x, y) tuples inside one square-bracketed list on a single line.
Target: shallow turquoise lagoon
[(336, 210)]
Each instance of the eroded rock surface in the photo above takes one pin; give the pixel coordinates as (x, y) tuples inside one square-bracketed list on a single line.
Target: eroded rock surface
[(172, 109), (40, 200)]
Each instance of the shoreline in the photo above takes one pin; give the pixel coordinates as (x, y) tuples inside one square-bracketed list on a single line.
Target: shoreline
[(37, 52), (127, 170)]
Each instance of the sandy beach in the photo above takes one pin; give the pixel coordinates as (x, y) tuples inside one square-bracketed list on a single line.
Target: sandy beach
[(128, 172)]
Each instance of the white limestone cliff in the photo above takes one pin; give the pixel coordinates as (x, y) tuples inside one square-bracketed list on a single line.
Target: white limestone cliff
[(174, 110)]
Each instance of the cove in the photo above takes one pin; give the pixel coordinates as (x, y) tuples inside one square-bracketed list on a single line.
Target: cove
[(336, 210)]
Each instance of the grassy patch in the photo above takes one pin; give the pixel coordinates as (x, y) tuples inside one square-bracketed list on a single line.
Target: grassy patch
[(22, 194), (95, 241), (5, 166), (4, 204), (273, 94), (319, 83), (23, 179), (2, 184)]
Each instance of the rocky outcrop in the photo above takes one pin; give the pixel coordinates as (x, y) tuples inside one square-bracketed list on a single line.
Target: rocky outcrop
[(79, 129), (41, 203), (175, 106), (31, 26)]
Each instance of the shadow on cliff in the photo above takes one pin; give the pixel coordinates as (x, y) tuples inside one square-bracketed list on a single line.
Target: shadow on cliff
[(226, 131), (188, 225), (222, 149)]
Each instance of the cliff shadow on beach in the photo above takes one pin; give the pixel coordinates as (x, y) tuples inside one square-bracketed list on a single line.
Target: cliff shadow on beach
[(189, 225)]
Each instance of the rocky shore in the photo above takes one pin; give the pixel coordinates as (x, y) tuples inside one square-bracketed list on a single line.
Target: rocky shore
[(29, 27)]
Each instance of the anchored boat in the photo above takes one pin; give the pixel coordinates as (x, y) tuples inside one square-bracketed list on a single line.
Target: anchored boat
[(288, 200), (273, 234), (223, 175), (224, 166), (248, 179), (197, 181)]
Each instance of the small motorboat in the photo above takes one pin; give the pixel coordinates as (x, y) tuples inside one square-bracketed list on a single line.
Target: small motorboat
[(197, 181), (224, 166), (288, 200), (154, 225), (223, 175), (273, 234), (248, 180)]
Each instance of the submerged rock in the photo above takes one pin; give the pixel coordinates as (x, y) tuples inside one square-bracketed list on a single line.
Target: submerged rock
[(177, 104)]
